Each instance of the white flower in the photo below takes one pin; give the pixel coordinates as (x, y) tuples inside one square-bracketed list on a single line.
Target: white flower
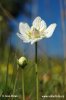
[(36, 32)]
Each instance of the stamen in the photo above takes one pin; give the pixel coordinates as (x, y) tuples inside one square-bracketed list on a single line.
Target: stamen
[(35, 33)]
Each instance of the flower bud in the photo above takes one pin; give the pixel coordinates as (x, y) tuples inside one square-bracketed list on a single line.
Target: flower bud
[(22, 62)]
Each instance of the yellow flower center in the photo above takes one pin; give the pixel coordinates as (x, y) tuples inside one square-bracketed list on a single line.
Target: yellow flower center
[(34, 33)]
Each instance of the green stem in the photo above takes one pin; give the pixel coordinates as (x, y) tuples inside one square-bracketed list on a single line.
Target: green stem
[(15, 82), (23, 84), (8, 65), (36, 69), (7, 76)]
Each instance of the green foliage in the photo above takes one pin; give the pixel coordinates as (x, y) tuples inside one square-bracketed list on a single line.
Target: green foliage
[(50, 79)]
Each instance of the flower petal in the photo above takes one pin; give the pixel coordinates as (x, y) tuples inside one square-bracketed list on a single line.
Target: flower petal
[(35, 40), (23, 28), (49, 31), (36, 23), (24, 37), (39, 24), (43, 25)]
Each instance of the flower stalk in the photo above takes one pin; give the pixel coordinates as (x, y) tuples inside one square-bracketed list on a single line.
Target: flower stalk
[(23, 92), (36, 70), (8, 65), (22, 62), (14, 88)]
